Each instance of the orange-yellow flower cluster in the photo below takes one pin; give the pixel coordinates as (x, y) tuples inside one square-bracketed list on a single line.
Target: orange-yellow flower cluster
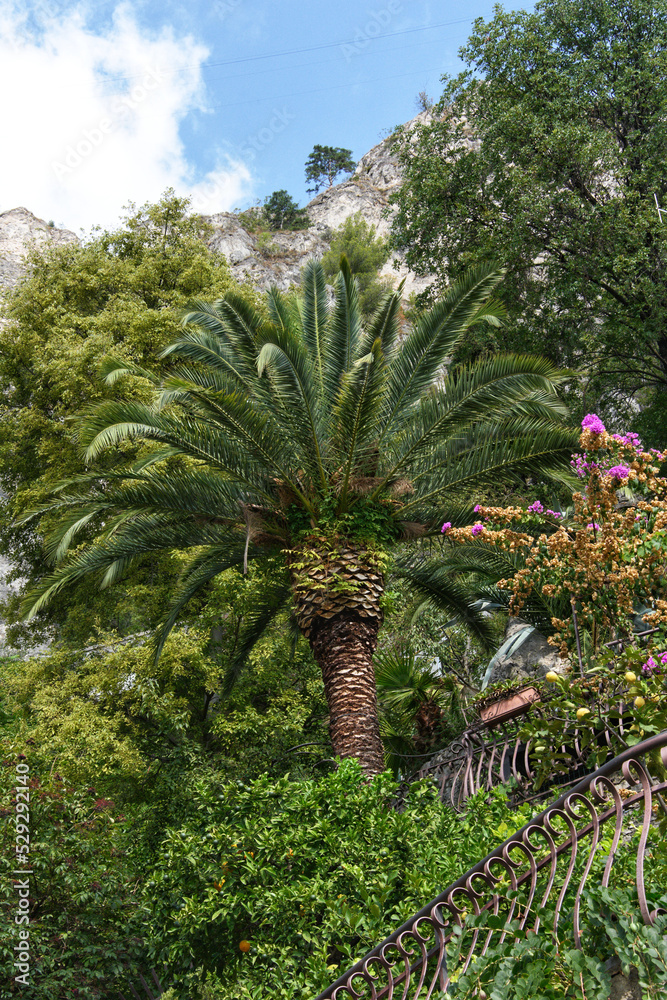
[(608, 554)]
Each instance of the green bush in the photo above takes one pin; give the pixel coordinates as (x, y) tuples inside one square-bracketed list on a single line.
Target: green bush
[(312, 874), (365, 253), (83, 892)]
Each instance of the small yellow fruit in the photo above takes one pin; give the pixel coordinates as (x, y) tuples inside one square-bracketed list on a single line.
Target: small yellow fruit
[(630, 677), (583, 712), (244, 945), (552, 677), (639, 701)]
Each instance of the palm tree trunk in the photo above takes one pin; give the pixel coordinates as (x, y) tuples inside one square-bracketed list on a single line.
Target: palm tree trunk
[(337, 594), (343, 647)]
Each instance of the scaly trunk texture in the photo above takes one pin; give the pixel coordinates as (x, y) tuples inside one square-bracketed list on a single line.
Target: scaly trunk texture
[(337, 603), (343, 648)]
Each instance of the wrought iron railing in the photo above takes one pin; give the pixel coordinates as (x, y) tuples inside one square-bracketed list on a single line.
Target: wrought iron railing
[(550, 856), (482, 758)]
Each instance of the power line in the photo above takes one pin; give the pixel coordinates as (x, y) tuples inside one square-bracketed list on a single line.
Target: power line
[(307, 48), (320, 90), (318, 62), (331, 45)]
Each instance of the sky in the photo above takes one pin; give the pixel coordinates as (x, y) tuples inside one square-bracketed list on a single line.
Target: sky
[(106, 104)]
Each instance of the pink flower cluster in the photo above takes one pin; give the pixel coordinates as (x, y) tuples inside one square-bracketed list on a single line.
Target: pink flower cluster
[(592, 422), (582, 465), (630, 439), (477, 529), (652, 666), (445, 528)]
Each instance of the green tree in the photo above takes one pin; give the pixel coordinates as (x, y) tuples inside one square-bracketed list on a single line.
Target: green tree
[(356, 240), (325, 163), (324, 441), (282, 212), (548, 151), (120, 291)]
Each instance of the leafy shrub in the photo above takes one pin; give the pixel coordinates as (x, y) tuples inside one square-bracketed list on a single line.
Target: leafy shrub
[(83, 893), (312, 874)]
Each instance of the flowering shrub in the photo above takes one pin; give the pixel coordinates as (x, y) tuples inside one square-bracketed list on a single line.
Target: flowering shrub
[(605, 557)]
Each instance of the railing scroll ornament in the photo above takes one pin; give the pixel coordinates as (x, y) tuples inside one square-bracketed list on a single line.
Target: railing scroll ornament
[(482, 758), (520, 877)]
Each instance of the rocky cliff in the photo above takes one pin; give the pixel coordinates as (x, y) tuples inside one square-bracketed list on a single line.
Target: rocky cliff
[(280, 260), (20, 230)]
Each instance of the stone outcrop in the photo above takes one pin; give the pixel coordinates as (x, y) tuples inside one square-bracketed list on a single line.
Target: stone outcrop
[(19, 231), (279, 257), (532, 660)]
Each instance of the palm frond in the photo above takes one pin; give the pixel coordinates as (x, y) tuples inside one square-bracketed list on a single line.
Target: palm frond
[(355, 413), (432, 582), (141, 535), (284, 356), (112, 369), (492, 454), (384, 325), (314, 315), (343, 332), (435, 336), (256, 620), (504, 389), (243, 444), (201, 570)]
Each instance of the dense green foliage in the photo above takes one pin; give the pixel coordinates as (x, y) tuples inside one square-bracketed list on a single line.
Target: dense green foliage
[(325, 163), (312, 873), (547, 154), (282, 212), (120, 291), (356, 240), (550, 967)]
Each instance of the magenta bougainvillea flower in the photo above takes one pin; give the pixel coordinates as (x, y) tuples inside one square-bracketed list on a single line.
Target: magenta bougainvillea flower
[(592, 422), (536, 508), (619, 472), (446, 526), (477, 529)]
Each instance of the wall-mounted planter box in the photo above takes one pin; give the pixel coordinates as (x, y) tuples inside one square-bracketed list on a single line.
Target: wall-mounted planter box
[(510, 707)]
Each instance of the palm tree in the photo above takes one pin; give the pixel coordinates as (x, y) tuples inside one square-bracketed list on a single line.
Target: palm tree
[(303, 434)]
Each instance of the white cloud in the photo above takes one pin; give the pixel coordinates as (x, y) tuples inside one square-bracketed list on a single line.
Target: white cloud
[(90, 120)]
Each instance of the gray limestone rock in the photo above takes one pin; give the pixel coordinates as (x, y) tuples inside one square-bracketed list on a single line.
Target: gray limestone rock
[(19, 231), (534, 658)]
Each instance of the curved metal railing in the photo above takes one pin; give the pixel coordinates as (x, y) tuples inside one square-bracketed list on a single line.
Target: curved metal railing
[(482, 758), (541, 859)]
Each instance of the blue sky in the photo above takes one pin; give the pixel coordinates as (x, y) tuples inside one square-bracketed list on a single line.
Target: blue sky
[(223, 100)]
